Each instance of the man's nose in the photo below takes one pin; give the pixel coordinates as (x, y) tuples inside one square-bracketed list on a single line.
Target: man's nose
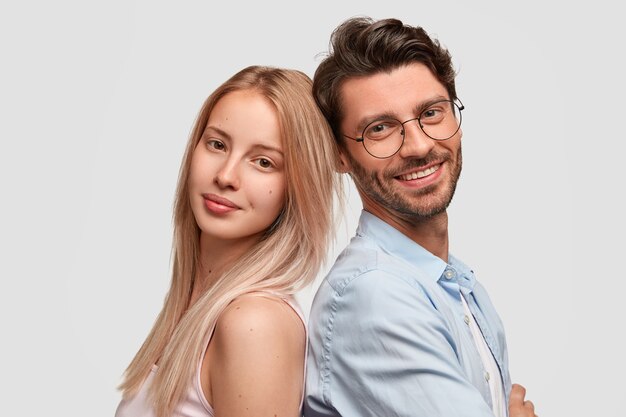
[(416, 143)]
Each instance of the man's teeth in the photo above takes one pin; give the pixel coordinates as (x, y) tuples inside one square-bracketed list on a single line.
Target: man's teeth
[(419, 174)]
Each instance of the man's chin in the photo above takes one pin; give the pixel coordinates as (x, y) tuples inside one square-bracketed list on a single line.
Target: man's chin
[(421, 208), (422, 213)]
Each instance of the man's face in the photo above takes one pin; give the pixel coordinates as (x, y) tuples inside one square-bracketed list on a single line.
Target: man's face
[(417, 182)]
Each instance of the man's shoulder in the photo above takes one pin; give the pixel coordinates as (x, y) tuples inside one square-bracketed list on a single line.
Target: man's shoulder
[(368, 282), (362, 267), (363, 264)]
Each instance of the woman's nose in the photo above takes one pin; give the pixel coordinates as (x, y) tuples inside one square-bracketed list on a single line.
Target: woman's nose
[(228, 175)]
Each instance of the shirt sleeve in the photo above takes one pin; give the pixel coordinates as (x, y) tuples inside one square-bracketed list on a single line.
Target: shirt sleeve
[(390, 353)]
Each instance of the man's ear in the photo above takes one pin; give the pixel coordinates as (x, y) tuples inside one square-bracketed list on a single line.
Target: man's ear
[(344, 162)]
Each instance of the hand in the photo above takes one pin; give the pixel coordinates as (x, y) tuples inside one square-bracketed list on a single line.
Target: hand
[(518, 407)]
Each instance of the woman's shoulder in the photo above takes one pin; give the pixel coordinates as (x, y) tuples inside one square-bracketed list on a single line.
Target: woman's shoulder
[(257, 356), (260, 318)]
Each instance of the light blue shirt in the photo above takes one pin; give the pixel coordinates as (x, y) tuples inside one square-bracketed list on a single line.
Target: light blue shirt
[(388, 333)]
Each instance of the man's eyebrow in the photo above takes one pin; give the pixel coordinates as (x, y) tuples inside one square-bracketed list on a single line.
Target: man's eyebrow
[(419, 108), (366, 120), (427, 103)]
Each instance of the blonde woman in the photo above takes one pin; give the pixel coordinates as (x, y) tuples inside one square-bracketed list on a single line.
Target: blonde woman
[(252, 219)]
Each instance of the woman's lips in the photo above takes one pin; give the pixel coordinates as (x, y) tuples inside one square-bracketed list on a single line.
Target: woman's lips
[(218, 205)]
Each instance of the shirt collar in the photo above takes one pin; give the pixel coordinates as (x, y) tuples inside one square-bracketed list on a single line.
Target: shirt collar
[(392, 241), (464, 276)]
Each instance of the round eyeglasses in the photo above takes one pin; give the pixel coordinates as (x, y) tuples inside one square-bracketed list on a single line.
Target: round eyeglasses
[(383, 137)]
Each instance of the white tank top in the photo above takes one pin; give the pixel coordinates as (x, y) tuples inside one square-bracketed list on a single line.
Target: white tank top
[(194, 403)]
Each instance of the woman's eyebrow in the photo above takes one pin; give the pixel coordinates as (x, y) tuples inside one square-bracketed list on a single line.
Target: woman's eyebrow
[(268, 148), (218, 131)]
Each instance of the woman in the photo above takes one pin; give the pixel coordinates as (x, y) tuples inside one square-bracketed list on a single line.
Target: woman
[(252, 219)]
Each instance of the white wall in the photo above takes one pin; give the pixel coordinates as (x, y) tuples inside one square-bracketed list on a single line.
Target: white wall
[(97, 100)]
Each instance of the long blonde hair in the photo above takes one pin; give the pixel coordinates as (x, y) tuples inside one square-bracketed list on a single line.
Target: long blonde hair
[(286, 259)]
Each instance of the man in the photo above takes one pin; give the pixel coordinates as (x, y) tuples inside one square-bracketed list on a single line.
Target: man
[(400, 327)]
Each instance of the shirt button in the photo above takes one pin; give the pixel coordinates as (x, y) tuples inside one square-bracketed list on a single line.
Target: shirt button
[(466, 319), (449, 274), (487, 376)]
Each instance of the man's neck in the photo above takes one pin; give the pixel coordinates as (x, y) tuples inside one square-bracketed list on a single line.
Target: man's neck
[(431, 233)]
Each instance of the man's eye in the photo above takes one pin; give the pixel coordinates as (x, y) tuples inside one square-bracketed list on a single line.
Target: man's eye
[(432, 115), (381, 130), (378, 128)]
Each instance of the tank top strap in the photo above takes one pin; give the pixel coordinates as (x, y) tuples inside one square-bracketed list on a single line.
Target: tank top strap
[(287, 298)]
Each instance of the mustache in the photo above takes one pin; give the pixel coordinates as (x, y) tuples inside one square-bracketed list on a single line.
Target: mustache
[(417, 163)]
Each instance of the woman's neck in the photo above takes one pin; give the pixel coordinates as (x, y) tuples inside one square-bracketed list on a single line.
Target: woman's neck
[(216, 257)]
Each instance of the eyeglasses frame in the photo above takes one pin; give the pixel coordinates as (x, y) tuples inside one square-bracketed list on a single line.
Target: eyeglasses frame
[(460, 106)]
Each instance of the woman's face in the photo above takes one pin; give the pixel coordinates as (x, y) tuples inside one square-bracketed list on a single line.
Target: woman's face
[(237, 177)]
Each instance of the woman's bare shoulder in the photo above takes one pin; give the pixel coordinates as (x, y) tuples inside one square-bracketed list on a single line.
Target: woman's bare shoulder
[(257, 325), (258, 363)]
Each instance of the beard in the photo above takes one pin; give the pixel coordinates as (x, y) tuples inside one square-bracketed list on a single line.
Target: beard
[(412, 205)]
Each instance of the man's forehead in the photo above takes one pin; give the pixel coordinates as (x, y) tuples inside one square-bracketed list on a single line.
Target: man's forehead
[(400, 91)]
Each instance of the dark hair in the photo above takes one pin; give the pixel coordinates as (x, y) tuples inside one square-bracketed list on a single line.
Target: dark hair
[(361, 46)]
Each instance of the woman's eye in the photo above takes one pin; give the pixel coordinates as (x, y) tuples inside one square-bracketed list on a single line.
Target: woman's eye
[(215, 144), (264, 163)]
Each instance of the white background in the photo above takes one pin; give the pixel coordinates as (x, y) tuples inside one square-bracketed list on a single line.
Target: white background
[(97, 100)]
